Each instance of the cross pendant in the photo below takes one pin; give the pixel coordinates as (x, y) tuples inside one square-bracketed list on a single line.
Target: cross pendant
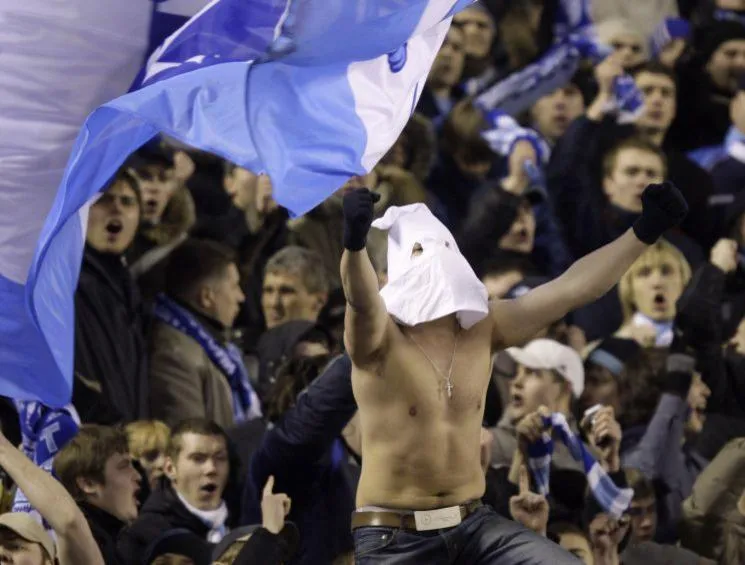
[(449, 387)]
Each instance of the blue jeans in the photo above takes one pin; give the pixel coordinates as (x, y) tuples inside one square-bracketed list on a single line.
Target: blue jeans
[(483, 538)]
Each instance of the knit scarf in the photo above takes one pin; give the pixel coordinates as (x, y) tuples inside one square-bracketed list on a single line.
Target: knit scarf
[(214, 519), (663, 330), (612, 499), (246, 404), (575, 39)]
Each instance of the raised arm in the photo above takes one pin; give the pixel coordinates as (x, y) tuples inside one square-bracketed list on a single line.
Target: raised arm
[(366, 317), (517, 321), (75, 541)]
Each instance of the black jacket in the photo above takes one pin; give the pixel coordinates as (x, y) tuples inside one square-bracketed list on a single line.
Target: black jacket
[(111, 382), (106, 529), (575, 176), (163, 511), (308, 462)]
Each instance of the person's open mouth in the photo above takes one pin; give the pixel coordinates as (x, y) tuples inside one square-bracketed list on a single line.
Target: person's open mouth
[(114, 228)]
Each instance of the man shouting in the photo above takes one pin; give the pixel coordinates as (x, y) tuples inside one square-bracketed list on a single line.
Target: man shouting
[(421, 351)]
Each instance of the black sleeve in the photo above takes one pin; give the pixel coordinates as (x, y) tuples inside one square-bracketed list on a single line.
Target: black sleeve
[(263, 548)]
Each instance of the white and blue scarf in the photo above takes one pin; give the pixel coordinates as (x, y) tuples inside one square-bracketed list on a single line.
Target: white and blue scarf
[(612, 499), (504, 132), (729, 16), (44, 432), (575, 39), (228, 359)]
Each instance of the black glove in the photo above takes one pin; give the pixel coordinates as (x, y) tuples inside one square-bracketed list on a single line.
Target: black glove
[(663, 207), (358, 215)]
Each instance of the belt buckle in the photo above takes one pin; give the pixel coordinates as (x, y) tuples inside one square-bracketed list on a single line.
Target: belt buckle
[(437, 519)]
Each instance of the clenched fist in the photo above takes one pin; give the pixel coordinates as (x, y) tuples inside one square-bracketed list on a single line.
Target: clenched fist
[(663, 207), (358, 207)]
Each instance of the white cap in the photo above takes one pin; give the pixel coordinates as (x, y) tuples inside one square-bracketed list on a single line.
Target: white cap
[(550, 354)]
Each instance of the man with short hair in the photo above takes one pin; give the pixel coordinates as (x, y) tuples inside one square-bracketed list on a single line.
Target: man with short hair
[(197, 468), (195, 370), (96, 469), (463, 164), (421, 352), (295, 287), (110, 383), (552, 114), (548, 374), (578, 158), (441, 89)]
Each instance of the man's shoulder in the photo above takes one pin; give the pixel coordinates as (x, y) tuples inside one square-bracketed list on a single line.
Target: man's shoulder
[(169, 342)]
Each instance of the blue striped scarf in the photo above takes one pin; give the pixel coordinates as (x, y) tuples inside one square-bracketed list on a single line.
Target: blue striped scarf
[(612, 499), (246, 404), (575, 39)]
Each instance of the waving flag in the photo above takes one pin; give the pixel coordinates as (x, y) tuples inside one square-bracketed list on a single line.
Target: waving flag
[(59, 59), (309, 91)]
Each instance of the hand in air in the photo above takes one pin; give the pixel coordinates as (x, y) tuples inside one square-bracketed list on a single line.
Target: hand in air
[(531, 427), (606, 533), (724, 255), (663, 207), (528, 508), (358, 206), (604, 434), (274, 508)]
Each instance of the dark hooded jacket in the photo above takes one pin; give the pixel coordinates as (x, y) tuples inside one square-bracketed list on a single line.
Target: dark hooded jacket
[(111, 379), (311, 465)]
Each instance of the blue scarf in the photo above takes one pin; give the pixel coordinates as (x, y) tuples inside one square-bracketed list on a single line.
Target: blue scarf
[(575, 39), (44, 432), (729, 16), (613, 500), (228, 359)]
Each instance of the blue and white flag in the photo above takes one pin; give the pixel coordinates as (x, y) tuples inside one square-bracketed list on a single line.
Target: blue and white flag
[(612, 499), (263, 83), (44, 431), (59, 59)]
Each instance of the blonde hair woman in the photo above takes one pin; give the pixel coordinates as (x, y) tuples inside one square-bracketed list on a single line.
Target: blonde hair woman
[(648, 293), (147, 441)]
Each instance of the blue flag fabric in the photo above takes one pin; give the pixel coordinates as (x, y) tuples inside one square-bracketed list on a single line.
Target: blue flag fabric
[(263, 83), (44, 432)]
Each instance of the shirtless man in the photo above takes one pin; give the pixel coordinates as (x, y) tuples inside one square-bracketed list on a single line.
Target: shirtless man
[(421, 351)]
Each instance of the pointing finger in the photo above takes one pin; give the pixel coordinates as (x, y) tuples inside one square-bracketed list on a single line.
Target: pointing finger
[(269, 486), (524, 480)]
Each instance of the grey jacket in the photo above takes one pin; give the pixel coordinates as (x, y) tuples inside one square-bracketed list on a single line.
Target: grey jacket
[(659, 453)]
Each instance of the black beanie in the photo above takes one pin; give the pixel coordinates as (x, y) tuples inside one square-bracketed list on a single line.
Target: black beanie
[(613, 353), (710, 37)]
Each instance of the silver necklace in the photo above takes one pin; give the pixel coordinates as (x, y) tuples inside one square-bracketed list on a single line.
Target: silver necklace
[(448, 379)]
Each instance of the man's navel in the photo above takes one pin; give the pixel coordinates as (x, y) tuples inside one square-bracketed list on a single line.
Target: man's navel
[(412, 411)]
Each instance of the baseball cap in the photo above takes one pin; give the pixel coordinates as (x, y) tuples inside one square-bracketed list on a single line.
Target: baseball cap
[(550, 354), (29, 529)]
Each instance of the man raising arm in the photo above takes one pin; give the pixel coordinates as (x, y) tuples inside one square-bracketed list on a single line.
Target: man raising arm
[(589, 278), (75, 543)]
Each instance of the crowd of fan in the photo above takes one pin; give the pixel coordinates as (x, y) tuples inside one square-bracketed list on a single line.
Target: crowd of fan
[(192, 453)]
